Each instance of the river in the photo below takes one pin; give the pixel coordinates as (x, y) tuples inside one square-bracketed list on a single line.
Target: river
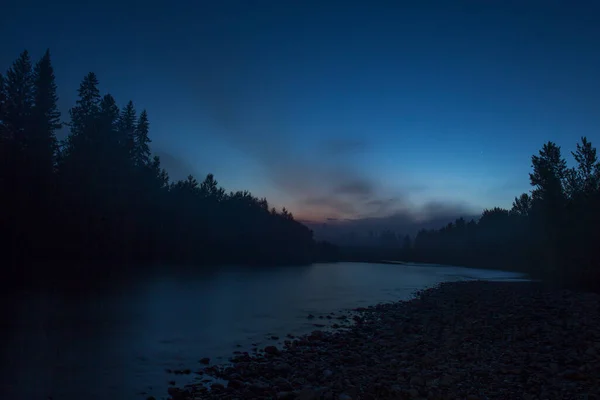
[(115, 341)]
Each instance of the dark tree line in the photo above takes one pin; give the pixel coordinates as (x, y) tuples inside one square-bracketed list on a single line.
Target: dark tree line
[(100, 195), (551, 232)]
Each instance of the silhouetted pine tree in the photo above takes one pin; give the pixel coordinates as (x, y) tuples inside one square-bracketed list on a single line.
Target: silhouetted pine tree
[(141, 150), (548, 176), (81, 171), (522, 205), (286, 214), (127, 129), (87, 108), (548, 180), (45, 118), (37, 151), (585, 178), (209, 188), (583, 215)]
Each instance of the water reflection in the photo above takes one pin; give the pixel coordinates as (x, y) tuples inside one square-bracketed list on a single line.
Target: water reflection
[(116, 340)]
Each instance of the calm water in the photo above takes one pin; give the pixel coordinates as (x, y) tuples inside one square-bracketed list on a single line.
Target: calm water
[(116, 342)]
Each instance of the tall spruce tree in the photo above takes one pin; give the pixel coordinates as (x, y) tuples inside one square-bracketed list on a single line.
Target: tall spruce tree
[(548, 176), (87, 107), (127, 125), (141, 151), (45, 117), (80, 156), (16, 125), (585, 177)]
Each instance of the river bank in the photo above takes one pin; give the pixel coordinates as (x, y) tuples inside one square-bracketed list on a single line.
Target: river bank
[(462, 340)]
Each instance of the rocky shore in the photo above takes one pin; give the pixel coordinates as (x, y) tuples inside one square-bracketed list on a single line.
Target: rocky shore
[(464, 340)]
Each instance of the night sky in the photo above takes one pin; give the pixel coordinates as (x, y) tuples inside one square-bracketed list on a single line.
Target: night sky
[(336, 110)]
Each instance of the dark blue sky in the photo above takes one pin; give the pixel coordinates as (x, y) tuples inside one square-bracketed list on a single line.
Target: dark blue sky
[(337, 109)]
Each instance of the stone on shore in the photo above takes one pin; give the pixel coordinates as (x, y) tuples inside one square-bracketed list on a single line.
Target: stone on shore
[(271, 350)]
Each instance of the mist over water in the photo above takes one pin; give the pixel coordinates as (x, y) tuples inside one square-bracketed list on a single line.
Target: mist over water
[(117, 339)]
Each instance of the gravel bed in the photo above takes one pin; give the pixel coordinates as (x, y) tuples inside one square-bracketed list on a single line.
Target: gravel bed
[(462, 340)]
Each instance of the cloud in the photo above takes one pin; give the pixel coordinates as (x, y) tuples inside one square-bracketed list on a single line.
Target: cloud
[(320, 183), (386, 206), (360, 187), (332, 204), (318, 188)]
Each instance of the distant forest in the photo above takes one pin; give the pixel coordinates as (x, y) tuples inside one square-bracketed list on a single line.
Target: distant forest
[(101, 196), (550, 233)]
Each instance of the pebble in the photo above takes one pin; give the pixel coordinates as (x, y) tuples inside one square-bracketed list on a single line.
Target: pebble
[(285, 395), (417, 381), (307, 394), (271, 350)]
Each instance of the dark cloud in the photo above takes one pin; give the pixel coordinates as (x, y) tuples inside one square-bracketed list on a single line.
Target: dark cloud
[(381, 206)]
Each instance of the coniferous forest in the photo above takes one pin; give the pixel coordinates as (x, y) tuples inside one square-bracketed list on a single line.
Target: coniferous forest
[(100, 195)]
